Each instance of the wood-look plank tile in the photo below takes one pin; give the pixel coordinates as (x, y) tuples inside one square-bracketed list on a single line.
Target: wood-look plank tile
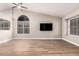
[(20, 47)]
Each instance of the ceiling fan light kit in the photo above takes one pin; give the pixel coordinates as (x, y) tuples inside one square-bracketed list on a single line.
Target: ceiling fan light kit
[(19, 5)]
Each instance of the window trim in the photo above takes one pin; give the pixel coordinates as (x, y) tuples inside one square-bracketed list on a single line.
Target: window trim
[(23, 25), (69, 19), (4, 22)]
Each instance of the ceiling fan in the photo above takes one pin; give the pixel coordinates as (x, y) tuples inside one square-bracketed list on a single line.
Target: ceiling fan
[(19, 5)]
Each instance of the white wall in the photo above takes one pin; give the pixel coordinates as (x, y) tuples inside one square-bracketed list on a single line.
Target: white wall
[(6, 34), (71, 38), (35, 20)]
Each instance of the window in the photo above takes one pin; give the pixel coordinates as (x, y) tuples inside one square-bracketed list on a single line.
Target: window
[(74, 26), (23, 25), (4, 24)]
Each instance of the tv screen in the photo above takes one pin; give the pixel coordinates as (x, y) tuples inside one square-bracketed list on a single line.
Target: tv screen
[(45, 26)]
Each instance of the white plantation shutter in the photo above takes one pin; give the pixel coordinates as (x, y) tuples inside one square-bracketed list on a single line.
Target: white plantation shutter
[(4, 24), (74, 26), (23, 25)]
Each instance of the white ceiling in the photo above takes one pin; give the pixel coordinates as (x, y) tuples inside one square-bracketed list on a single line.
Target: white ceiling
[(54, 9)]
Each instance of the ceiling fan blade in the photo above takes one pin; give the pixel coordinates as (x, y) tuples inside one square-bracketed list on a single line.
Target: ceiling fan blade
[(14, 4), (20, 3), (24, 7)]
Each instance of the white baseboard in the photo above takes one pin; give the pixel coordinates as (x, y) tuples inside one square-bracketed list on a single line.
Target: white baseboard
[(71, 42), (39, 38), (4, 41)]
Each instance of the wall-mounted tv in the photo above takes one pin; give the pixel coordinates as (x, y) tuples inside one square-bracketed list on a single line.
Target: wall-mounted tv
[(46, 26)]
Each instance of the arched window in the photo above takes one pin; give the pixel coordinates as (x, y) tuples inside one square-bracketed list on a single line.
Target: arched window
[(23, 25), (4, 24)]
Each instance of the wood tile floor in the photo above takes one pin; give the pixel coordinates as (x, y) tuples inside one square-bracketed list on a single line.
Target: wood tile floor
[(33, 47)]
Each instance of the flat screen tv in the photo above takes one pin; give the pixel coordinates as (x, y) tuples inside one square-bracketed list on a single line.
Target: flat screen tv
[(46, 26)]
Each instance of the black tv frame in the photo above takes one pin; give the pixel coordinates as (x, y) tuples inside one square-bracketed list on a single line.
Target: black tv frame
[(46, 26)]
